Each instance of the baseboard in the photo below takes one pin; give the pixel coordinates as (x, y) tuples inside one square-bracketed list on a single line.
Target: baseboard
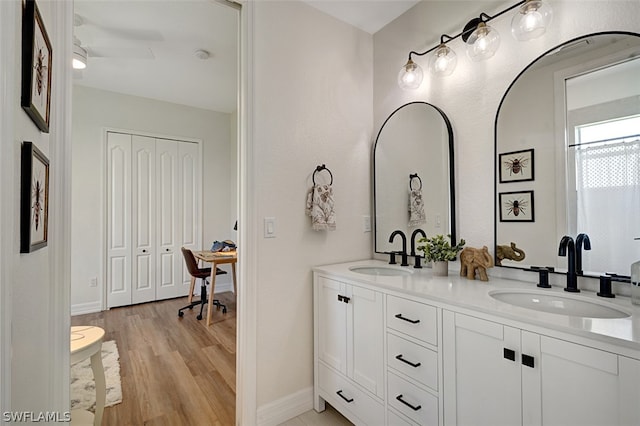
[(286, 408), (86, 308)]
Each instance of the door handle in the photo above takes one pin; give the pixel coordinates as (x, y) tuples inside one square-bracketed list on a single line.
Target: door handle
[(509, 354), (528, 360), (144, 251), (400, 358)]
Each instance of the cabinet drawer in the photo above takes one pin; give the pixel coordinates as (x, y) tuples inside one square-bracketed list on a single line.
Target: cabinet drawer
[(344, 395), (394, 419), (415, 361), (415, 403), (413, 318)]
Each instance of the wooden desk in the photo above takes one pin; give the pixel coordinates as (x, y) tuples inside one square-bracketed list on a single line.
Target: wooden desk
[(85, 342), (217, 258)]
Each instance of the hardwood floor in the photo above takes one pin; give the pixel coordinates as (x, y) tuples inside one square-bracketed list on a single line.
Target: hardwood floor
[(174, 371)]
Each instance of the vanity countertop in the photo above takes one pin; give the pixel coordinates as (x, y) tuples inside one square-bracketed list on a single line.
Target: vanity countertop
[(456, 291)]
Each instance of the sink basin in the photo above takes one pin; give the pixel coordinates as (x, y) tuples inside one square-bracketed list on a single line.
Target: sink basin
[(558, 304), (379, 270)]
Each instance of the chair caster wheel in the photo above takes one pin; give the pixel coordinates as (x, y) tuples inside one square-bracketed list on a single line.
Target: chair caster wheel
[(191, 308), (199, 317), (180, 314), (224, 310)]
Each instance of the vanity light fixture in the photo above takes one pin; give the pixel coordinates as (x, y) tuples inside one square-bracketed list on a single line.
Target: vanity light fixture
[(482, 40), (531, 21)]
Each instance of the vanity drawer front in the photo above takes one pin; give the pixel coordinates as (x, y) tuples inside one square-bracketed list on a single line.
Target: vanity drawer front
[(344, 395), (415, 361), (394, 419), (413, 318), (415, 403)]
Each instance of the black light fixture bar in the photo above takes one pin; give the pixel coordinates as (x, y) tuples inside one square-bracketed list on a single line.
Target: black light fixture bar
[(468, 29)]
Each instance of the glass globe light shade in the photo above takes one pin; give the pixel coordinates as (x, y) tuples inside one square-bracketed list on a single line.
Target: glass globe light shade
[(482, 43), (532, 20), (443, 61), (410, 76)]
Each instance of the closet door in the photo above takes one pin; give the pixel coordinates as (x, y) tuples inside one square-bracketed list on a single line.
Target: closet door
[(118, 266), (168, 220), (189, 202), (143, 232)]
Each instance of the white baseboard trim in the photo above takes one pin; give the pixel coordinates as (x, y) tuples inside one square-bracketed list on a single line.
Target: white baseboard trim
[(286, 408), (86, 308)]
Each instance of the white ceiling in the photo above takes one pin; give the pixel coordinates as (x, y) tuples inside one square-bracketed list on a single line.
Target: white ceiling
[(368, 15), (152, 44), (146, 47)]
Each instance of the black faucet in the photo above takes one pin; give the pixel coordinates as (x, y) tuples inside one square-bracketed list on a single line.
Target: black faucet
[(566, 244), (404, 246), (417, 257), (582, 240)]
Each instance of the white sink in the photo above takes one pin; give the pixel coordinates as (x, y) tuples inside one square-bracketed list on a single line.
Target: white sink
[(559, 303), (380, 270)]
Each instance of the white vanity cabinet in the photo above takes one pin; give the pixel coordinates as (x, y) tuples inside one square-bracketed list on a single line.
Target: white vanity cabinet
[(412, 362), (349, 349), (500, 375)]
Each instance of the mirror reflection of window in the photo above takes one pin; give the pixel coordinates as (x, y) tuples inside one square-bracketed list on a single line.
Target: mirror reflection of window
[(604, 164)]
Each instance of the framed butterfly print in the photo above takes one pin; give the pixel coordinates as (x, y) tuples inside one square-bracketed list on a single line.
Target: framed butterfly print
[(34, 199)]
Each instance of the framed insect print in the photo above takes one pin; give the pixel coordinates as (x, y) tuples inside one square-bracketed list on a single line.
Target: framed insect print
[(36, 67), (34, 199), (516, 206), (516, 166)]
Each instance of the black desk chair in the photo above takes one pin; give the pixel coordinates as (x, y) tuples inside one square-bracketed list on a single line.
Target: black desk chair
[(202, 273)]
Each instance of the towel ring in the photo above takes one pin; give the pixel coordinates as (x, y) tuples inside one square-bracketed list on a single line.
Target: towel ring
[(319, 169), (413, 176)]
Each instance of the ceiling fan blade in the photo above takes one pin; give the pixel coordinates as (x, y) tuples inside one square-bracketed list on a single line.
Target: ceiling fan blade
[(120, 52)]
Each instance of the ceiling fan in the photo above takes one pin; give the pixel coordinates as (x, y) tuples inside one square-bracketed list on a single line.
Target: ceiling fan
[(112, 49)]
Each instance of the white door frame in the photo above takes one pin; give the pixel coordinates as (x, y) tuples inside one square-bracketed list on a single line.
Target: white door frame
[(247, 306)]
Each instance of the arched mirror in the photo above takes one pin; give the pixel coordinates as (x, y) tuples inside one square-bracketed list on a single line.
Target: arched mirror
[(413, 157), (567, 153)]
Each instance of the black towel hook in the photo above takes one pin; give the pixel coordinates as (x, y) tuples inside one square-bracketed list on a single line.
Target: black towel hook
[(413, 176), (319, 169)]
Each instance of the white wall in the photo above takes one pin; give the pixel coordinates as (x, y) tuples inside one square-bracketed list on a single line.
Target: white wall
[(34, 294), (470, 96), (312, 105), (93, 111)]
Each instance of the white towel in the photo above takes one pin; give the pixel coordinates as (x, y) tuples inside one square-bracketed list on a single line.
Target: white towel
[(416, 208), (320, 208)]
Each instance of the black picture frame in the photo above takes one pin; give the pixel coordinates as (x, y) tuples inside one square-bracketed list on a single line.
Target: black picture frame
[(516, 206), (36, 67), (516, 166), (34, 199)]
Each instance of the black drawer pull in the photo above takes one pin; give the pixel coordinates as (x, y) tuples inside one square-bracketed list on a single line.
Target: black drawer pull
[(414, 408), (344, 299), (399, 358), (509, 354), (349, 400), (528, 360), (399, 316)]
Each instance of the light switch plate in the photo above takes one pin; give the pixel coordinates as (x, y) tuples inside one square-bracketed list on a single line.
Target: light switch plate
[(366, 223), (269, 227)]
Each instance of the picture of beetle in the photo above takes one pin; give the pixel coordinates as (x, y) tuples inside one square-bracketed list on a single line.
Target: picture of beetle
[(516, 165), (40, 70), (38, 201), (516, 206)]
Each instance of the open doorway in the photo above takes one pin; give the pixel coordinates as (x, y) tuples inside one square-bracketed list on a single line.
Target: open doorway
[(160, 70)]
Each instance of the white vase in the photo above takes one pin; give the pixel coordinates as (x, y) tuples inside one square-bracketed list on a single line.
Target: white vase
[(440, 268)]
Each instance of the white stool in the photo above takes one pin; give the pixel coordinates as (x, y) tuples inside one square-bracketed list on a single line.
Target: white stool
[(86, 341)]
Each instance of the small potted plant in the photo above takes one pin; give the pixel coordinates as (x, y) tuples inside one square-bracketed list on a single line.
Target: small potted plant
[(438, 250)]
